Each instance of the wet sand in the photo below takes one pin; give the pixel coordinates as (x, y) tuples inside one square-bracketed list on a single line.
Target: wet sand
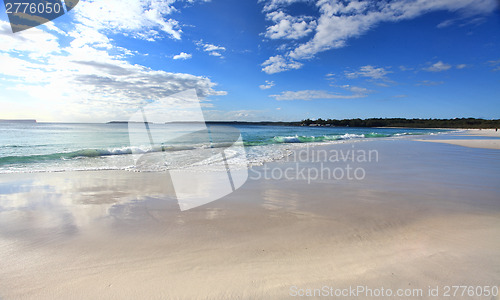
[(425, 214)]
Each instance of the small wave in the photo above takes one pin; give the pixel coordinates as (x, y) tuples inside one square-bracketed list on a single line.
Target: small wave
[(410, 133), (376, 135), (349, 136), (323, 138), (287, 139), (94, 153), (83, 153)]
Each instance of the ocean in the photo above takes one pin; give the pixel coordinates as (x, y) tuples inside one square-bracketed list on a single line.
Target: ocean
[(59, 147)]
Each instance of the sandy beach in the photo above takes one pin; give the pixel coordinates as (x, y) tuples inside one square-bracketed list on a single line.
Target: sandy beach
[(425, 215), (247, 150), (486, 139)]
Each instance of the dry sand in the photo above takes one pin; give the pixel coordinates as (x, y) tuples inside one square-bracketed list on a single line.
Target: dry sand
[(482, 143), (483, 132), (488, 143), (424, 215)]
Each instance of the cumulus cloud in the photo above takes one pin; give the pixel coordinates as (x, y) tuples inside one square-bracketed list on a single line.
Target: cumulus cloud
[(275, 4), (278, 63), (268, 85), (289, 27), (145, 19), (183, 56), (340, 21), (438, 67), (212, 49)]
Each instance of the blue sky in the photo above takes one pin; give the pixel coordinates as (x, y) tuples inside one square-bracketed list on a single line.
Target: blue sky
[(257, 59)]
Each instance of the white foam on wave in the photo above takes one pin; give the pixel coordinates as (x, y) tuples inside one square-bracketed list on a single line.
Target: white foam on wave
[(348, 136)]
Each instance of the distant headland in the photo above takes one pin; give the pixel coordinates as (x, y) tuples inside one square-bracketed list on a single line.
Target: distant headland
[(126, 122), (17, 121)]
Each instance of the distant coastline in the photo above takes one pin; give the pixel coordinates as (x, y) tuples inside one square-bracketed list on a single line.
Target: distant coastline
[(457, 123), (126, 122), (462, 123), (18, 121)]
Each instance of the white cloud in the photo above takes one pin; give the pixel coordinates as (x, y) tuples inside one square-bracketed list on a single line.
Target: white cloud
[(50, 26), (278, 63), (463, 21), (289, 27), (308, 95), (368, 71), (268, 85), (144, 19), (35, 42), (438, 67), (275, 4), (446, 23), (141, 18), (183, 56), (246, 115), (356, 89), (461, 66), (212, 49), (85, 81), (495, 64), (84, 35), (340, 21), (215, 54), (429, 83), (404, 68)]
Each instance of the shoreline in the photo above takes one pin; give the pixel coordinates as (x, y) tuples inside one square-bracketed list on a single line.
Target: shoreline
[(490, 139)]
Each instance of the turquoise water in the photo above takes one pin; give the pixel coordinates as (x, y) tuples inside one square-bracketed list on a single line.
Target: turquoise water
[(39, 147)]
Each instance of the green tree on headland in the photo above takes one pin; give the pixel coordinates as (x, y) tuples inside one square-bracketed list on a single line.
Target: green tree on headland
[(400, 122)]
